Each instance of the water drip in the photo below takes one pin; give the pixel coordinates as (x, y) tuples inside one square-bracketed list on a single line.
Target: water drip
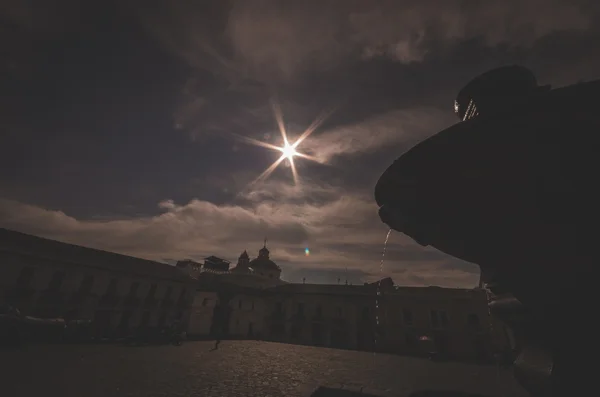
[(377, 297)]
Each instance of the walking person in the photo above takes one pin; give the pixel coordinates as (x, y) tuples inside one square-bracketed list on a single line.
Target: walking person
[(217, 332)]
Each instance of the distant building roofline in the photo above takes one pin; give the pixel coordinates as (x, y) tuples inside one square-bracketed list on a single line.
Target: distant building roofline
[(20, 243), (216, 259)]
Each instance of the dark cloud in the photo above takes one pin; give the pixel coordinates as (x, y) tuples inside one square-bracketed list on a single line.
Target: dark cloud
[(295, 37)]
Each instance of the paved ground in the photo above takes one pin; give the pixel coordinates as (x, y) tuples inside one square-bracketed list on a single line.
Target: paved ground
[(236, 369)]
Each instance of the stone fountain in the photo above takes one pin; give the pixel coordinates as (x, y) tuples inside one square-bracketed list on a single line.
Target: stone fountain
[(512, 188)]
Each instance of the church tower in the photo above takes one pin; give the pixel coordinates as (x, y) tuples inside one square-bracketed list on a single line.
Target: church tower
[(243, 264), (264, 266), (263, 253)]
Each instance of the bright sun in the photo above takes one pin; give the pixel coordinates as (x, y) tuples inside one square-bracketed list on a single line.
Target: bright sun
[(289, 151)]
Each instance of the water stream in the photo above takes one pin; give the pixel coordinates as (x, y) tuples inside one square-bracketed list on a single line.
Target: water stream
[(377, 297)]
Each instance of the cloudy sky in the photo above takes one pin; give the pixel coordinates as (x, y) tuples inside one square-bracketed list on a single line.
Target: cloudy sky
[(125, 125)]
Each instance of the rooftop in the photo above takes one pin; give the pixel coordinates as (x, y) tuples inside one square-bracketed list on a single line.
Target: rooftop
[(26, 244)]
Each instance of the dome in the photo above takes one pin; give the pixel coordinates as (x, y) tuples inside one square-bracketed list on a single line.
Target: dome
[(264, 263)]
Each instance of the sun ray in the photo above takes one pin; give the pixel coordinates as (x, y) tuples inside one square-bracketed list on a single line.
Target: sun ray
[(308, 157), (266, 173), (288, 150), (279, 120), (294, 171), (313, 126)]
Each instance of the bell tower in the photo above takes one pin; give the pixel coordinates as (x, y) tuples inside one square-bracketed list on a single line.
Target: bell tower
[(263, 253), (243, 263)]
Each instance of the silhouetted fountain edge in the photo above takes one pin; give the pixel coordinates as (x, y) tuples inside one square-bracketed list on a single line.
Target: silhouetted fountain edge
[(408, 191)]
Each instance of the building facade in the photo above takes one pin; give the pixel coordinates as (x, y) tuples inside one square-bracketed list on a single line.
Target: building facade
[(202, 312), (453, 323), (118, 293)]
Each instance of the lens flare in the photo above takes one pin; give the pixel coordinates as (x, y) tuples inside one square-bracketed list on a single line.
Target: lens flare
[(306, 251), (288, 150)]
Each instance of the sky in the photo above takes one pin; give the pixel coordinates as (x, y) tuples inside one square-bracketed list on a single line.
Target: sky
[(126, 125)]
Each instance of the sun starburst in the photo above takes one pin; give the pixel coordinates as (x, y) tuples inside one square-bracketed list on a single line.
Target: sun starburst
[(288, 150)]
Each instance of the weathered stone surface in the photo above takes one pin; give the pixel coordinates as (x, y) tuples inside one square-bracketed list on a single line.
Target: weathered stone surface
[(237, 369)]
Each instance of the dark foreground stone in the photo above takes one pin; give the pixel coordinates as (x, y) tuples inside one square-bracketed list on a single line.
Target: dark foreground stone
[(240, 368)]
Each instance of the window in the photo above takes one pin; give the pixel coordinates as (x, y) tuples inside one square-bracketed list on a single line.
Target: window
[(133, 288), (25, 277), (145, 319), (295, 331), (338, 311), (252, 308), (443, 319), (182, 295), (279, 307), (112, 287), (162, 319), (407, 316), (168, 293), (151, 291), (438, 318), (204, 301), (300, 308), (240, 304), (434, 319), (86, 284), (319, 310), (56, 281)]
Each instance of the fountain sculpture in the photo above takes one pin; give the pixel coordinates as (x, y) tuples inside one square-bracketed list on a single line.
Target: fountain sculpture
[(512, 188)]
